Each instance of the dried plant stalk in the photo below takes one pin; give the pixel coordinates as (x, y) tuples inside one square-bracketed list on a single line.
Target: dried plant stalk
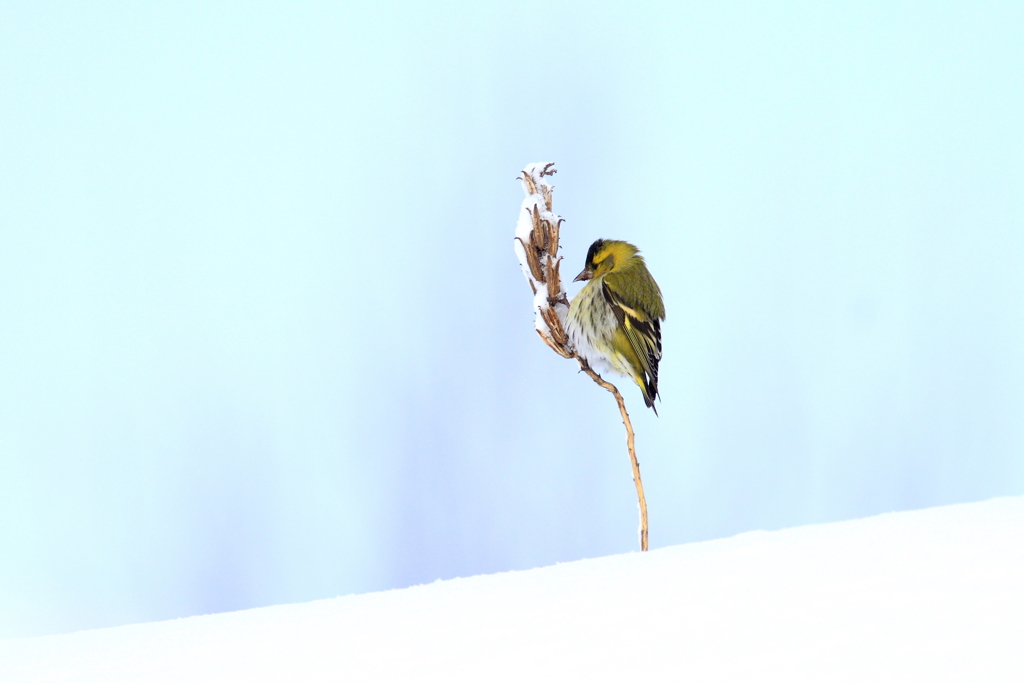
[(536, 245), (641, 499)]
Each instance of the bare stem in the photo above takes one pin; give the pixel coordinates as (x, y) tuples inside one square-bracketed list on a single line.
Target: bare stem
[(641, 499)]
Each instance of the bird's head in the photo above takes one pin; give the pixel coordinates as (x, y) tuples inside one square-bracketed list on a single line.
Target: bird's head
[(604, 256)]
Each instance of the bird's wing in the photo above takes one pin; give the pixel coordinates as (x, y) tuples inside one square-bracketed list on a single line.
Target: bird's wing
[(642, 330)]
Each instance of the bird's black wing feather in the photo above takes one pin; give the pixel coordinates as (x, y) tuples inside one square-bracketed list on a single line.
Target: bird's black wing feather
[(644, 335)]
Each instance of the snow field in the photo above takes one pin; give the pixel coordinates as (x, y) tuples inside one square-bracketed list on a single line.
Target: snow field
[(930, 595)]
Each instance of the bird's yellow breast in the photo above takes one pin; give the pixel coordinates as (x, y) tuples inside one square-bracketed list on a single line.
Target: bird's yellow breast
[(594, 330)]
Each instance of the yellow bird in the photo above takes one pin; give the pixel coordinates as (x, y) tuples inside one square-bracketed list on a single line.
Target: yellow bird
[(614, 323)]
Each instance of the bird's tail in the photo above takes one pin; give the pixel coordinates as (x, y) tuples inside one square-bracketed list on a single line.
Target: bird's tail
[(649, 388)]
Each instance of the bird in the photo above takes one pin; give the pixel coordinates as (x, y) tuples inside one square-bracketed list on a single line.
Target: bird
[(614, 322)]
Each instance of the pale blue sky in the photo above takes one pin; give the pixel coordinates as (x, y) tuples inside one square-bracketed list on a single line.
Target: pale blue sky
[(263, 337)]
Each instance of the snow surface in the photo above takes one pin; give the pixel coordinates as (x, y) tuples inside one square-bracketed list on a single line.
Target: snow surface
[(929, 595)]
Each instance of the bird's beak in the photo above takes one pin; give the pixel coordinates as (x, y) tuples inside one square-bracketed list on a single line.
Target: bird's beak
[(585, 275)]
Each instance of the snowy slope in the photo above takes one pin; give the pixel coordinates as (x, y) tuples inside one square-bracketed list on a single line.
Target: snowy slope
[(930, 595)]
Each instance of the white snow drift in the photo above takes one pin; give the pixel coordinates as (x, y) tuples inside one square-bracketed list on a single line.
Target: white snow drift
[(931, 595)]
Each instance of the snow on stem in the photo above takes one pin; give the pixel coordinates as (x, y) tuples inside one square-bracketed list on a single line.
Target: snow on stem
[(536, 245)]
